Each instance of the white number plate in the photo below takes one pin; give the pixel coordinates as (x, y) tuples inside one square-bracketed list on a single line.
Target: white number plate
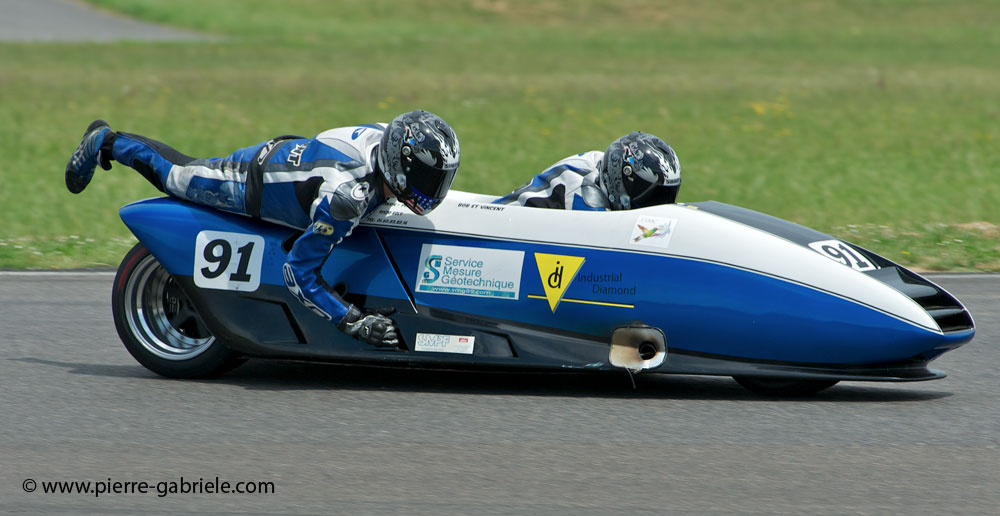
[(228, 261), (842, 253)]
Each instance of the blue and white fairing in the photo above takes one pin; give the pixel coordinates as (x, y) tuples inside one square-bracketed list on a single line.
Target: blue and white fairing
[(733, 291)]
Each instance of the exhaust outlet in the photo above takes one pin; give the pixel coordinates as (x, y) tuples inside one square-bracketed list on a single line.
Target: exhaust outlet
[(637, 347), (647, 350)]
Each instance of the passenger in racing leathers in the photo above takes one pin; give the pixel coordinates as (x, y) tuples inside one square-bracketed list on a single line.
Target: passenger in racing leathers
[(636, 171), (322, 185)]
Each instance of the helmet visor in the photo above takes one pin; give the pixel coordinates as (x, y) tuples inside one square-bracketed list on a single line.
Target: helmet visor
[(426, 187), (430, 181), (655, 195)]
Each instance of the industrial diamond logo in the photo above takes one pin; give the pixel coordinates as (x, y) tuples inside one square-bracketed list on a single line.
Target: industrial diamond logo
[(556, 272)]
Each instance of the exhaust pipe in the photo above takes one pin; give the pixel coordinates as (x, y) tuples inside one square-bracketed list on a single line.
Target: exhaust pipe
[(637, 347)]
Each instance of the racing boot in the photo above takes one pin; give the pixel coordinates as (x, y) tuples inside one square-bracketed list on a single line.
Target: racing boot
[(80, 169)]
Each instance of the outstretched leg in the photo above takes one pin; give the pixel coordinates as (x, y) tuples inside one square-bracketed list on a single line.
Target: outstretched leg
[(216, 182), (100, 145), (151, 158)]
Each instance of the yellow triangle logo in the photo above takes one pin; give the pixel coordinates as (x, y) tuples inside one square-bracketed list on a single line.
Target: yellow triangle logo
[(556, 272)]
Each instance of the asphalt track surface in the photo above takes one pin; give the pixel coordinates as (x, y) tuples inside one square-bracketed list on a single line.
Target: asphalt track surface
[(68, 20), (357, 440)]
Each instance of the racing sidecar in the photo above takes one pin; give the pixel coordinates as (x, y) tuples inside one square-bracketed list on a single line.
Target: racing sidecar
[(702, 288)]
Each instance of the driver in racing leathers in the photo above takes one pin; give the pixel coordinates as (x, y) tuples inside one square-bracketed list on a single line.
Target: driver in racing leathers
[(322, 185), (636, 171)]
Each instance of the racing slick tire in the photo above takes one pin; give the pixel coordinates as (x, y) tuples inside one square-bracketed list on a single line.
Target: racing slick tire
[(783, 386), (158, 324)]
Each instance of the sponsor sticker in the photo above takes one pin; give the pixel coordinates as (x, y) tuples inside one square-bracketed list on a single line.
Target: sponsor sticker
[(608, 283), (438, 343), (469, 271), (652, 231), (557, 272)]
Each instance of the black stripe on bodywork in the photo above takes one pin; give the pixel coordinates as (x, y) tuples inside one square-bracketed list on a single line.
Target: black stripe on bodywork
[(778, 227)]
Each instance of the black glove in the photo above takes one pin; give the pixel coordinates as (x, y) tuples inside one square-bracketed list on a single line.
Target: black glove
[(374, 328)]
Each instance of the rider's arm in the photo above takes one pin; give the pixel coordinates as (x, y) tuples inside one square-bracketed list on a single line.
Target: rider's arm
[(302, 270), (564, 185), (590, 198)]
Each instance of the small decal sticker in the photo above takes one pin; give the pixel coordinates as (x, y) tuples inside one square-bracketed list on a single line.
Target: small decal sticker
[(842, 253), (322, 228), (295, 156), (445, 343), (652, 231), (359, 192), (264, 150), (228, 261)]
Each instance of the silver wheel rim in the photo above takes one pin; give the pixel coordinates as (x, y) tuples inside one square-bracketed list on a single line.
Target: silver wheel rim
[(153, 310)]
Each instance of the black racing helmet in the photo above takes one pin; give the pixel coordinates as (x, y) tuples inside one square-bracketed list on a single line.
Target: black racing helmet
[(418, 157), (640, 170)]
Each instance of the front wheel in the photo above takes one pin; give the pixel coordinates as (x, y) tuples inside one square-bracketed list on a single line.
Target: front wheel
[(158, 324), (783, 386)]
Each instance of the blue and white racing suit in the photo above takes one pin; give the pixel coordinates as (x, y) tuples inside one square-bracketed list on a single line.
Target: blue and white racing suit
[(322, 185), (570, 184)]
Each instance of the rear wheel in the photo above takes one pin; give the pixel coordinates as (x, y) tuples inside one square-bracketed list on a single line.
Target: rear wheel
[(783, 386), (158, 324)]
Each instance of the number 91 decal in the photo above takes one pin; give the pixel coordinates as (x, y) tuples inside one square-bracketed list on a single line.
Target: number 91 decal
[(840, 252), (228, 261)]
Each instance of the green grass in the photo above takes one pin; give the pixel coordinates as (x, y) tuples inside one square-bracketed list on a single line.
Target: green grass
[(878, 122)]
